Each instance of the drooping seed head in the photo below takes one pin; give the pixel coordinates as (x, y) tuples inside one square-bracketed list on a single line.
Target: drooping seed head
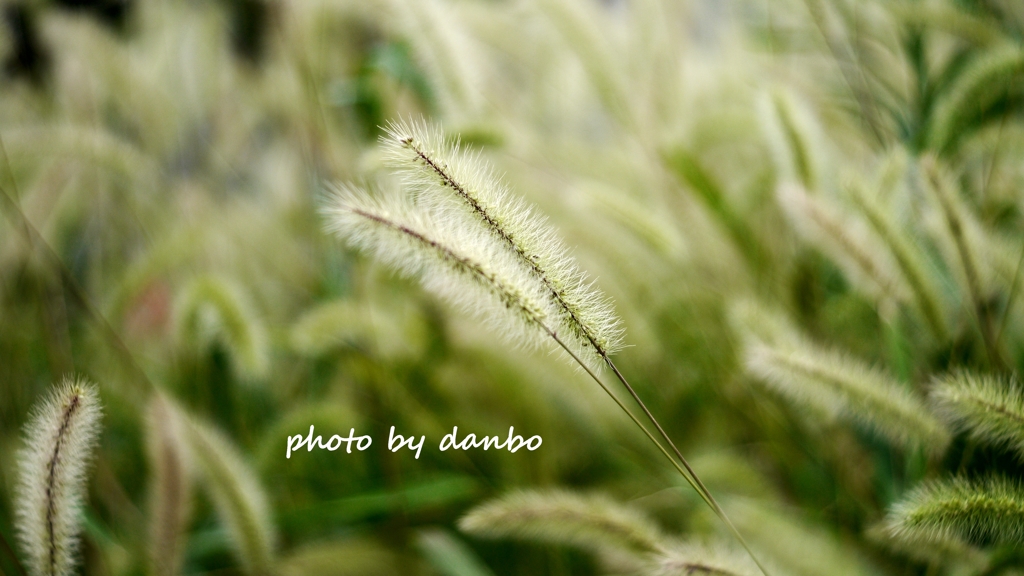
[(448, 178), (986, 510), (465, 267), (237, 495)]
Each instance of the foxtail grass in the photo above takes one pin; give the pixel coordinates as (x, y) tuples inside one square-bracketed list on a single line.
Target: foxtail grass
[(977, 90), (448, 555), (238, 498), (441, 171), (956, 223), (60, 440), (343, 556), (171, 490), (471, 241), (693, 559), (461, 268), (592, 522), (790, 139), (991, 408), (987, 511), (211, 309), (443, 48), (909, 259), (840, 386), (861, 256)]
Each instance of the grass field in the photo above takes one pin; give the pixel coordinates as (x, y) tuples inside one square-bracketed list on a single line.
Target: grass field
[(793, 228)]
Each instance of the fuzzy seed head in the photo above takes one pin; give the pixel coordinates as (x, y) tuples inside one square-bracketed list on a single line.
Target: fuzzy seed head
[(985, 511), (460, 183), (237, 495), (212, 309), (978, 89), (171, 486), (842, 387), (702, 559), (864, 259), (59, 442), (590, 521), (462, 266), (991, 408)]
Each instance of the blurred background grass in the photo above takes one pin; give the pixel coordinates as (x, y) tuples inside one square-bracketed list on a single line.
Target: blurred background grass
[(163, 162)]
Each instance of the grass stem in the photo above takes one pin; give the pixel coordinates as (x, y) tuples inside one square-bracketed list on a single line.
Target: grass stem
[(686, 471), (700, 487)]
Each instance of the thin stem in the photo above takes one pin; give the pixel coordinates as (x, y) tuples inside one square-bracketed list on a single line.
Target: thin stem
[(703, 489), (691, 477), (636, 421), (861, 92), (34, 238)]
